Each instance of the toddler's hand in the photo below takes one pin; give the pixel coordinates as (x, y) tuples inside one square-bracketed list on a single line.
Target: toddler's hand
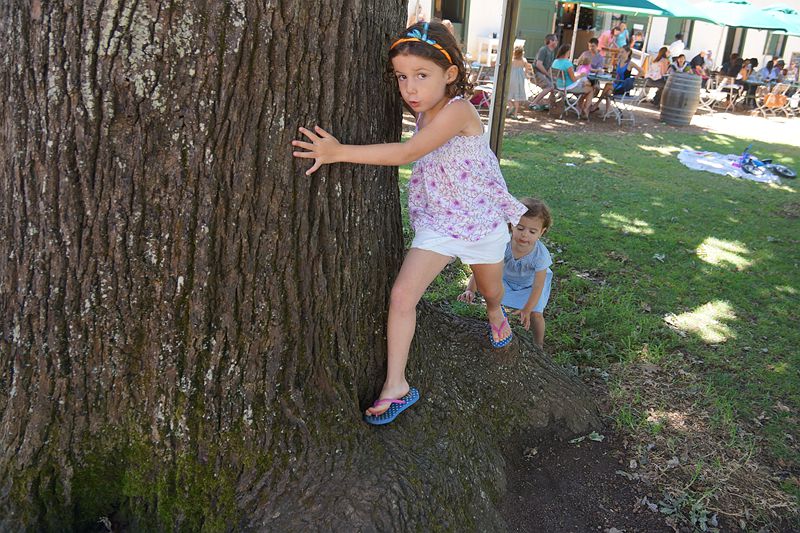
[(467, 296), (322, 148), (524, 318)]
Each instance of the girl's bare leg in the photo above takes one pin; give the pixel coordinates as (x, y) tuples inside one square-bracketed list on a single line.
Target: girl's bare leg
[(419, 269), (489, 278)]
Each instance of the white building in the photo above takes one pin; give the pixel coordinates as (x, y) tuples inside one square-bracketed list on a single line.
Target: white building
[(477, 21)]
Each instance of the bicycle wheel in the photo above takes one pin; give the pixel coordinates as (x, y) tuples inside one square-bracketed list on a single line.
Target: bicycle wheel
[(783, 171)]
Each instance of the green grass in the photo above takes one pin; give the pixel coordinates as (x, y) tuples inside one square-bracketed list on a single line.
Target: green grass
[(657, 262)]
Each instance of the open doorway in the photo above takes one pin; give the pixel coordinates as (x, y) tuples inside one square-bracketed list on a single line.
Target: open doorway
[(456, 11)]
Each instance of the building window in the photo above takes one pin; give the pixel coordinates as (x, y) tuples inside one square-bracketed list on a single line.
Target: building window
[(775, 45), (453, 10)]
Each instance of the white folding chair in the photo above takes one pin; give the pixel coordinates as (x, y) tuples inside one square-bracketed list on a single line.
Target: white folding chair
[(727, 87), (620, 107), (559, 77), (640, 90)]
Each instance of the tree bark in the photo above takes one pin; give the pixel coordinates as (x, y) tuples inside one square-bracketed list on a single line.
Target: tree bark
[(190, 325)]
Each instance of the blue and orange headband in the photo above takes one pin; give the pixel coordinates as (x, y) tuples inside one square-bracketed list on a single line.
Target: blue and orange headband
[(416, 36)]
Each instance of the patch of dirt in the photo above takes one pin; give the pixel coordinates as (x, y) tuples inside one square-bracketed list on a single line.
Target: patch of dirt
[(790, 210), (557, 486)]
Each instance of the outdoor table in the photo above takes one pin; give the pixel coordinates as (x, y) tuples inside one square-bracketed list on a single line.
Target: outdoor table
[(600, 76), (751, 86)]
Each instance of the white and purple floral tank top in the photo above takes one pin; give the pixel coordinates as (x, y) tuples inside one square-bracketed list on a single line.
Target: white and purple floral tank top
[(457, 190)]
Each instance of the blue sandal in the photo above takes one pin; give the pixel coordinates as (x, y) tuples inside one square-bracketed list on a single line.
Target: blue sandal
[(498, 329), (396, 407)]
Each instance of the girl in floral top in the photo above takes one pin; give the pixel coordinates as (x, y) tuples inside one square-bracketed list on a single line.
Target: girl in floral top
[(458, 202)]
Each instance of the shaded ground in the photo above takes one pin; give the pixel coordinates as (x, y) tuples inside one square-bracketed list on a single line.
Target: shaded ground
[(557, 486), (742, 124)]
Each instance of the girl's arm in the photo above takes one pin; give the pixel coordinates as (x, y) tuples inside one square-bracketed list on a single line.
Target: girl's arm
[(536, 291), (449, 122), (571, 74)]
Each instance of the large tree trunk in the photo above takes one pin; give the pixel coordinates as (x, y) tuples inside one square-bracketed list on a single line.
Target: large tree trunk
[(190, 325)]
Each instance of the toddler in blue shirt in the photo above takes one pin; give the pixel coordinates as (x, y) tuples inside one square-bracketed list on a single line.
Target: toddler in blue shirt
[(526, 270)]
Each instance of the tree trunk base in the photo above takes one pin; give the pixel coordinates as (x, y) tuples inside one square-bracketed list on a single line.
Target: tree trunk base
[(440, 464)]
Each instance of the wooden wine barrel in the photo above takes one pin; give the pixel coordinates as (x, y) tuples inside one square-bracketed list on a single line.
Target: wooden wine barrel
[(680, 98)]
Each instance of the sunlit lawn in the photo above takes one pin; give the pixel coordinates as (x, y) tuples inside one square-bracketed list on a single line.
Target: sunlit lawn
[(691, 271)]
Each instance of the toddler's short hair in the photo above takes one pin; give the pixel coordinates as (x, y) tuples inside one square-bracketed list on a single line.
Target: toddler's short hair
[(537, 209)]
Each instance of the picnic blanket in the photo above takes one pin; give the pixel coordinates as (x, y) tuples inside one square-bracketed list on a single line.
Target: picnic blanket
[(727, 165)]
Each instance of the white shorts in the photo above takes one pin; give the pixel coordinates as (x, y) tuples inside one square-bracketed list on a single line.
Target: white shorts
[(489, 250)]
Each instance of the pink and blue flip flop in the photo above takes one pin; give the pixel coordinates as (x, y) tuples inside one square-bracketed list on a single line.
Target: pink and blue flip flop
[(396, 407), (498, 329)]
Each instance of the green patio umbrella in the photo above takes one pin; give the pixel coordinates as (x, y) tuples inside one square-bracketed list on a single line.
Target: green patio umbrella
[(740, 14), (683, 9), (644, 7), (787, 15)]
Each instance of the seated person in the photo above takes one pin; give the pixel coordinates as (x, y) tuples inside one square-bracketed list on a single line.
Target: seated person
[(680, 65), (623, 76), (747, 70), (657, 73), (584, 64), (732, 67), (596, 60), (698, 66), (776, 74), (574, 83), (541, 71)]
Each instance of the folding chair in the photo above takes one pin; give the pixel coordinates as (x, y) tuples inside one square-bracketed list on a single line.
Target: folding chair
[(559, 77), (640, 89), (710, 95), (761, 101), (794, 104), (726, 85), (773, 101), (620, 108), (482, 95), (781, 101)]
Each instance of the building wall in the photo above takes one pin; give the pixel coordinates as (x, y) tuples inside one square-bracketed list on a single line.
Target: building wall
[(658, 35), (706, 36), (754, 43), (485, 18)]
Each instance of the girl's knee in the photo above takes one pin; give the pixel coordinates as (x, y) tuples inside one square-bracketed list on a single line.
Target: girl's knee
[(493, 291), (402, 299)]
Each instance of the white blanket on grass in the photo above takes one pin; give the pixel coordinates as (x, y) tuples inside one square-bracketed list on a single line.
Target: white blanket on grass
[(722, 164)]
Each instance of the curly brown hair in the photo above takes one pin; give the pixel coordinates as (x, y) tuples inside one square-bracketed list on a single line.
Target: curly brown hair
[(439, 33)]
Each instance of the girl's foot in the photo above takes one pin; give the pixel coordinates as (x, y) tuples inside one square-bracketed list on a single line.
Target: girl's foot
[(501, 329), (389, 392)]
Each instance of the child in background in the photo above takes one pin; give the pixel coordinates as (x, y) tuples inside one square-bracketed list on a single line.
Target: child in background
[(584, 65), (520, 70), (458, 202), (526, 272)]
